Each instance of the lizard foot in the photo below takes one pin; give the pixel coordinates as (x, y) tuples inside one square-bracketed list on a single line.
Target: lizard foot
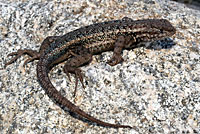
[(78, 76), (116, 59), (34, 55)]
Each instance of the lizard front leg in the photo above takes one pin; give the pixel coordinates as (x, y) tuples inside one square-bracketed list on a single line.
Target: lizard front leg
[(121, 42)]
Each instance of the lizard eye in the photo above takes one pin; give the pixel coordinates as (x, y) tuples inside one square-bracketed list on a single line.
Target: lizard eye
[(161, 31)]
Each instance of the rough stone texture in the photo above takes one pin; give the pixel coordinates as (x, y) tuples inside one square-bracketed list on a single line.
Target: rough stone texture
[(155, 90), (195, 4)]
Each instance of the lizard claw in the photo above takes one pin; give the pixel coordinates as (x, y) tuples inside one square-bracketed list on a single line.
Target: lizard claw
[(65, 70), (115, 60), (31, 59), (79, 76), (17, 55)]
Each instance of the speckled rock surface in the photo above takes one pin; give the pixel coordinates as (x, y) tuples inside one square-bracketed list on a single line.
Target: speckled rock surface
[(157, 91)]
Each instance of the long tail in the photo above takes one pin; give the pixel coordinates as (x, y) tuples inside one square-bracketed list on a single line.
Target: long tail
[(42, 74)]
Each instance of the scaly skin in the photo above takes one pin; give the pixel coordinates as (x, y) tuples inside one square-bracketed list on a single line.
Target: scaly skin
[(77, 48)]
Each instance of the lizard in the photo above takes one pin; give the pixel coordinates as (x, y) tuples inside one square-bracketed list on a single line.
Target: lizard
[(77, 48)]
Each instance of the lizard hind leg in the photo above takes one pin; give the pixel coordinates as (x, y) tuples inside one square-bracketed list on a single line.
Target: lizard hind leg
[(34, 55), (72, 67)]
